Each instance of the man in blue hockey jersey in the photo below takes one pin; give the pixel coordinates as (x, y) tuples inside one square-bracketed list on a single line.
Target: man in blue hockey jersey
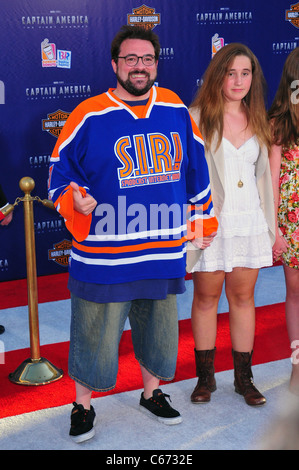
[(125, 167)]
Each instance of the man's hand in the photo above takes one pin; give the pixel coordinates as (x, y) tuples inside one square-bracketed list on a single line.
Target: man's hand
[(84, 205)]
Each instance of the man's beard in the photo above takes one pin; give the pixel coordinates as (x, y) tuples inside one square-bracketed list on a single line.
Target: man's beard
[(131, 88)]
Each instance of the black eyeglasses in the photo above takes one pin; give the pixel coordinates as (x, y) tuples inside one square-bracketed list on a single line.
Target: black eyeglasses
[(133, 59)]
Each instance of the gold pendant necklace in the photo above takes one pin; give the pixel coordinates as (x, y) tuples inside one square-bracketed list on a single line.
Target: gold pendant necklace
[(241, 169), (240, 182)]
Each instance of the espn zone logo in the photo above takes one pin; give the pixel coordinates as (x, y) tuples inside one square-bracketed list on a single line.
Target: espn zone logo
[(2, 93)]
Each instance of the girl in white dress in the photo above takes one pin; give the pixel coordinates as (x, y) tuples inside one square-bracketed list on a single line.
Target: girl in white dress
[(230, 112)]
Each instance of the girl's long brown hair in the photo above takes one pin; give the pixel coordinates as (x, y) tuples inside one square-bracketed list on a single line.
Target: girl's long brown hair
[(210, 101), (284, 111)]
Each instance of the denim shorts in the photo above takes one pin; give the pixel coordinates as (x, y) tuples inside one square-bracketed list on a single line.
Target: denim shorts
[(96, 330)]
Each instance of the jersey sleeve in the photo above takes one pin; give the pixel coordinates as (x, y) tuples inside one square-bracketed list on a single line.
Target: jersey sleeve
[(201, 220), (64, 168)]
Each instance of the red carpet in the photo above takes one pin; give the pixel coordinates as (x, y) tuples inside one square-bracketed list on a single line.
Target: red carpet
[(50, 288), (271, 344)]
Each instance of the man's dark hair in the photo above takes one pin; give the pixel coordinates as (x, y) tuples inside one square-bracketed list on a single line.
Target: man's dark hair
[(134, 32)]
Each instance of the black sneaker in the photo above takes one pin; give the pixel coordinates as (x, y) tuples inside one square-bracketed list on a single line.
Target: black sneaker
[(158, 408), (82, 422)]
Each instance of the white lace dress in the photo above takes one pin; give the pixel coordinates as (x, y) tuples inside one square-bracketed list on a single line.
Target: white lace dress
[(242, 238)]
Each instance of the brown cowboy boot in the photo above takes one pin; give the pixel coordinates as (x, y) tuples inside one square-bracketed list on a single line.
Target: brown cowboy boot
[(205, 371), (244, 379)]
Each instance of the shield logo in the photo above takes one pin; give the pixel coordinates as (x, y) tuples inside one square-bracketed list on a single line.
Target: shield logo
[(60, 252), (144, 16), (55, 122), (293, 15)]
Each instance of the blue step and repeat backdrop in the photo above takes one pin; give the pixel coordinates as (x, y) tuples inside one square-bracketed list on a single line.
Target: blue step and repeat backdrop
[(56, 53)]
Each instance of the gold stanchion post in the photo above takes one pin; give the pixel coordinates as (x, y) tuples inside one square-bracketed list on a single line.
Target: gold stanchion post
[(36, 370)]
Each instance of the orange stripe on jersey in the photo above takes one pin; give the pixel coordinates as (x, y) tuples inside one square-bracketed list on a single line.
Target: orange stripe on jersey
[(167, 96), (127, 249), (195, 129), (91, 105), (200, 228), (203, 207)]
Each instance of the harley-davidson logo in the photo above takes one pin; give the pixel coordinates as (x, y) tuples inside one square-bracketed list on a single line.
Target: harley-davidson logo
[(144, 16), (55, 122), (293, 15), (60, 252)]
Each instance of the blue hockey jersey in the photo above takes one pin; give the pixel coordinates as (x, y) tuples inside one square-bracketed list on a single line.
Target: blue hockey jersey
[(146, 169)]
